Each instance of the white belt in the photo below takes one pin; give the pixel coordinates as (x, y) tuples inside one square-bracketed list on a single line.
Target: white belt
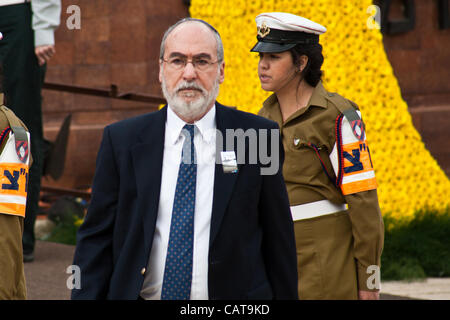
[(9, 2), (315, 209)]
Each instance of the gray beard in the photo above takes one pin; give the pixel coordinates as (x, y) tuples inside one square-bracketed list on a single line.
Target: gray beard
[(194, 109)]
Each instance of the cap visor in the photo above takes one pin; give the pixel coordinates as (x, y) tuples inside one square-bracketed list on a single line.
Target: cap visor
[(272, 47)]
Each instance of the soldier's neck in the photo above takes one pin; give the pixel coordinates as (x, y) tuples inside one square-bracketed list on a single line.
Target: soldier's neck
[(294, 98)]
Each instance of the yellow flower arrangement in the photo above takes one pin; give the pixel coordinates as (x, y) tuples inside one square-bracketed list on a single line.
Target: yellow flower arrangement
[(356, 66)]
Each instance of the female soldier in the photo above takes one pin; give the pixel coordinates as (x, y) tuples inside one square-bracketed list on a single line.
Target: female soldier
[(14, 164), (328, 170)]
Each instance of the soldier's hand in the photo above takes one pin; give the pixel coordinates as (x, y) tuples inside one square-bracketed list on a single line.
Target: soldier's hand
[(44, 53), (368, 295)]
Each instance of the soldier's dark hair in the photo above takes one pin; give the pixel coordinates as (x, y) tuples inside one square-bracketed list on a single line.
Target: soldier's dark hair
[(311, 73)]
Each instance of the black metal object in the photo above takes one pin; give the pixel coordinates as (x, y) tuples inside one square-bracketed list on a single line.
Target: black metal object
[(444, 15), (64, 191), (112, 92), (56, 156), (407, 23)]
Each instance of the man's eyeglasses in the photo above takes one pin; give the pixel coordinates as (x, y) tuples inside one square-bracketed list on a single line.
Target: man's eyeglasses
[(178, 63)]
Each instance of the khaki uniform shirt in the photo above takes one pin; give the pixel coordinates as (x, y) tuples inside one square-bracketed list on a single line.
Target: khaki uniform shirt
[(307, 182)]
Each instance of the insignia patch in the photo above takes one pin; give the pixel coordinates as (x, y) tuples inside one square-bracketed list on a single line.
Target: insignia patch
[(358, 129), (13, 188), (358, 169), (263, 30), (14, 176), (22, 150), (351, 158)]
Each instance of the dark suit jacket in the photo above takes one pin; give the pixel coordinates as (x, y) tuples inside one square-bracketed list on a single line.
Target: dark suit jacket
[(252, 251)]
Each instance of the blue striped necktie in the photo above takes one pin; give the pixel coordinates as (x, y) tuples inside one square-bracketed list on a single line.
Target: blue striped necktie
[(178, 268)]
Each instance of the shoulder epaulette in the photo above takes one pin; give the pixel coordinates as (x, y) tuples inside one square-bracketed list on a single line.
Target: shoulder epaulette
[(20, 134), (344, 106)]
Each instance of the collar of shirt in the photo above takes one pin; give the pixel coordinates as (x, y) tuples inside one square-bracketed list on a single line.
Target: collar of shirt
[(206, 126), (318, 99)]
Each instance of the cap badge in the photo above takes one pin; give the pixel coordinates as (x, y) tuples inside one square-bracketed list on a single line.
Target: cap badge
[(263, 30)]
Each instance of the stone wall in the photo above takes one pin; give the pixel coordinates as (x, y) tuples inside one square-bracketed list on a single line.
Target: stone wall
[(118, 43), (421, 62)]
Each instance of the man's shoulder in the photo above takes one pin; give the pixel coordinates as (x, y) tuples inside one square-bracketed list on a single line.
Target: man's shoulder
[(246, 119), (132, 129), (136, 122)]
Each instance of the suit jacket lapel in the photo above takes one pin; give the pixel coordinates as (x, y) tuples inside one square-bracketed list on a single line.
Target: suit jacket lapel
[(147, 155), (223, 182)]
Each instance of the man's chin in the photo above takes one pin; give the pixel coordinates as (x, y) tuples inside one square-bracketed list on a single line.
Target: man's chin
[(188, 109), (188, 101)]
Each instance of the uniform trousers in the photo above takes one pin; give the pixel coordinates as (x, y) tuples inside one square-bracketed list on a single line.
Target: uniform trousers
[(12, 277), (326, 264)]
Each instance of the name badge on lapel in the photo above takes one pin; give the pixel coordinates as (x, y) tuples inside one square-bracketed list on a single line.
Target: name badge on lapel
[(229, 163)]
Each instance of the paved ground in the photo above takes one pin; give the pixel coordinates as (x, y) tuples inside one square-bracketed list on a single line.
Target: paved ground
[(429, 289), (46, 278)]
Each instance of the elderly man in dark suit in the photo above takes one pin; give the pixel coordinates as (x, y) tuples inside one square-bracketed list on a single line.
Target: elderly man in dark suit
[(177, 210)]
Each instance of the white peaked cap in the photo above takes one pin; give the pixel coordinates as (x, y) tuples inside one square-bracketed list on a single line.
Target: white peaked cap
[(289, 22), (281, 31)]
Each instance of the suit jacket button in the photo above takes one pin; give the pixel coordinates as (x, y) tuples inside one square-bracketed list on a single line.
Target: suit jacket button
[(143, 271)]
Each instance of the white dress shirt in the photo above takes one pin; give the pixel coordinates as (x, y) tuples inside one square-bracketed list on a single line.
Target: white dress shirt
[(205, 146), (45, 20)]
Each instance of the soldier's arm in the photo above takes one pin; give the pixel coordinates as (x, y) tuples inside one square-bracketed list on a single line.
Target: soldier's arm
[(368, 234), (355, 174)]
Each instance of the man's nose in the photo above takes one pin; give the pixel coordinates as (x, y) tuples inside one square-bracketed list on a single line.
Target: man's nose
[(189, 71)]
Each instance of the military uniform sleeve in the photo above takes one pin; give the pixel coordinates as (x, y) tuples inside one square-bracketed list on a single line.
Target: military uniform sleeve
[(355, 174), (368, 234)]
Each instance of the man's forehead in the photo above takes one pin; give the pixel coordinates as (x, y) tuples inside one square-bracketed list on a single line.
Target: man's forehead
[(190, 36)]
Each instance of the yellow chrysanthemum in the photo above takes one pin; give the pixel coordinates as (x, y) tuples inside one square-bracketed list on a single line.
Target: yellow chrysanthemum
[(357, 67)]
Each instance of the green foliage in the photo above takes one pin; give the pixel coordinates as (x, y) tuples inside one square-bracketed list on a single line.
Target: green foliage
[(417, 248), (64, 233), (67, 213)]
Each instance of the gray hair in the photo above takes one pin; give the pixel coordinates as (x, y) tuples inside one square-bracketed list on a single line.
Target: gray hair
[(220, 54)]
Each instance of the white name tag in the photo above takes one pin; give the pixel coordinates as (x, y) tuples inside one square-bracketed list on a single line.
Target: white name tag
[(229, 163)]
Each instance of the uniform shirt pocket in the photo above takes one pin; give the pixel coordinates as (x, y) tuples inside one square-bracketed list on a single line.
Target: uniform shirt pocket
[(301, 161)]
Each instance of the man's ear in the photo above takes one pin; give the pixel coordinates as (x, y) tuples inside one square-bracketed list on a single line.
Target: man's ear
[(160, 71), (222, 72)]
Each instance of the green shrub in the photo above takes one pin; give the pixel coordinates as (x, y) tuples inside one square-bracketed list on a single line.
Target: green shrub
[(64, 233), (67, 213), (416, 248)]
